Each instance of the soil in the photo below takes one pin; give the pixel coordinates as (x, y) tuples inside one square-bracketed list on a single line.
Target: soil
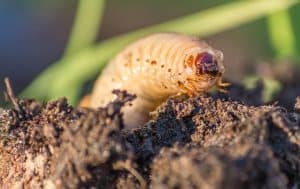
[(209, 141)]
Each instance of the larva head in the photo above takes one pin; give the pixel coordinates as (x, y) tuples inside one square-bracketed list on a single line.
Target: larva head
[(209, 65), (204, 69)]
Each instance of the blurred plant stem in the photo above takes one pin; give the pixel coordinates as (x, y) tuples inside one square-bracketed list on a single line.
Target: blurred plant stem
[(86, 26), (271, 86), (66, 77), (282, 36)]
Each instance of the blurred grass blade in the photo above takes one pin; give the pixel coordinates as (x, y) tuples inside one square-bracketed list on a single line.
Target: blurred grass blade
[(282, 36), (86, 26), (71, 72), (271, 87)]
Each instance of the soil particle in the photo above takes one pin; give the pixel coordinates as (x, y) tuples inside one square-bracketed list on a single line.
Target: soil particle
[(208, 141)]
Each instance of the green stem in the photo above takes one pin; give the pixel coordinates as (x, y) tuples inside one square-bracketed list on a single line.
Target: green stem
[(87, 23), (71, 72), (282, 36)]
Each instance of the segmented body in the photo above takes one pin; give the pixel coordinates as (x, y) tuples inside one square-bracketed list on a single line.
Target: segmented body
[(155, 68)]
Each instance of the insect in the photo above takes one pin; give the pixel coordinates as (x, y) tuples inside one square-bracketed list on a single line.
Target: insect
[(155, 68)]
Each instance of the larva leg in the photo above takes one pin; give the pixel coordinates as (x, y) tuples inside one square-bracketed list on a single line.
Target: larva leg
[(189, 89), (223, 90), (221, 86)]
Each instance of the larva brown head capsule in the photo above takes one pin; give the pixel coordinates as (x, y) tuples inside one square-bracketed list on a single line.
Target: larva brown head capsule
[(204, 71), (206, 64)]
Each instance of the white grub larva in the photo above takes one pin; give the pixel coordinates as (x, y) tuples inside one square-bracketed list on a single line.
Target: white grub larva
[(155, 68)]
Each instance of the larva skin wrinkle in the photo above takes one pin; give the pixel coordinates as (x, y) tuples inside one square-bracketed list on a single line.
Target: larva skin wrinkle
[(155, 68)]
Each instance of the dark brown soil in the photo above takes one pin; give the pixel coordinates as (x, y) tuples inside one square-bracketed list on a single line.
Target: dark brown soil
[(209, 141)]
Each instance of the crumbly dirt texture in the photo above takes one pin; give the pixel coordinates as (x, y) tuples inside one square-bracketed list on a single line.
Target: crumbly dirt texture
[(209, 141)]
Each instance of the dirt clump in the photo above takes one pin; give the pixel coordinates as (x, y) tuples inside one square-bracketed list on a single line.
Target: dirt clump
[(56, 146), (207, 141)]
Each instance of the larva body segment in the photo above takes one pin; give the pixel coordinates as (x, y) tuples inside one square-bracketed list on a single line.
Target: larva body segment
[(155, 68)]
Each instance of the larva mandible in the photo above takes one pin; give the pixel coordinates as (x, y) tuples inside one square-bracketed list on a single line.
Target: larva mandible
[(155, 68)]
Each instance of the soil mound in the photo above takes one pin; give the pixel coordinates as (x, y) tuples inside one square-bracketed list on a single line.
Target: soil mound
[(208, 141)]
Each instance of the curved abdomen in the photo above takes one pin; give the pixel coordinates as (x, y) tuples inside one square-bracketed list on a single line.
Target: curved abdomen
[(151, 68)]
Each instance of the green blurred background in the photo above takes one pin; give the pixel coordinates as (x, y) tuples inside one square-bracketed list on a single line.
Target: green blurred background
[(34, 34)]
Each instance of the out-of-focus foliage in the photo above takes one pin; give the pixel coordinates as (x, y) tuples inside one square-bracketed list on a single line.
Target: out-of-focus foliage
[(66, 77), (295, 17), (282, 36), (86, 26), (271, 86)]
